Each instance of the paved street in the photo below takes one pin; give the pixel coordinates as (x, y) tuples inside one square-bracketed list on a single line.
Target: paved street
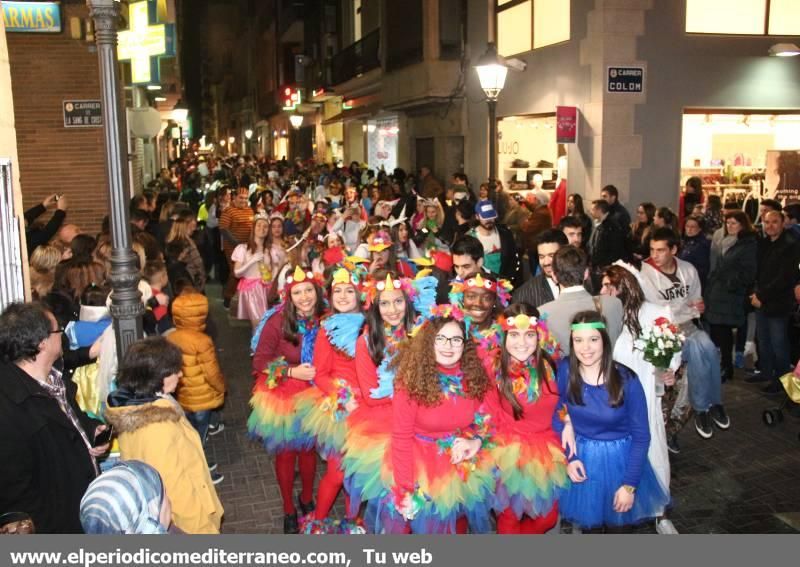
[(740, 481)]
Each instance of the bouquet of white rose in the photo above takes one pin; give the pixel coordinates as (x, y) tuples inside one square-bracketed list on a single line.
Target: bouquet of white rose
[(660, 342)]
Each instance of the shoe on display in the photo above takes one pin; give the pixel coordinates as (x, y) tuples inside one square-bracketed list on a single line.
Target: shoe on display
[(218, 429), (719, 416), (672, 444), (665, 526), (702, 423), (216, 478)]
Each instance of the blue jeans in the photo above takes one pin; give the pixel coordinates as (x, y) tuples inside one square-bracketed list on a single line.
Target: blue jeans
[(773, 344), (702, 371), (200, 420)]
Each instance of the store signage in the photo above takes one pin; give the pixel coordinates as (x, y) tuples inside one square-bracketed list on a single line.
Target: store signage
[(566, 124), (291, 98), (145, 42), (83, 114), (40, 17), (625, 80)]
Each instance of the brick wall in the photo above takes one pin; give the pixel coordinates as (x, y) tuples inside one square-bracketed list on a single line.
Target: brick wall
[(47, 69)]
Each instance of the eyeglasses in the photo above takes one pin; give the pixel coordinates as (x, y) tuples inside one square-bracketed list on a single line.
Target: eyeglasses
[(56, 331), (454, 342)]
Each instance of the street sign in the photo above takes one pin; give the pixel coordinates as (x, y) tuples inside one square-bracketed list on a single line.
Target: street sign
[(39, 17), (625, 80), (83, 114)]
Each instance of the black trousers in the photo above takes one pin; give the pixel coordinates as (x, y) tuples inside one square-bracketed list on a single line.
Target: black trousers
[(722, 336)]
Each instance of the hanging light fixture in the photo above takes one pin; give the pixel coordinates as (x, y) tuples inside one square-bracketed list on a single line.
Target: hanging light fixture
[(296, 120), (492, 70), (180, 112), (784, 50)]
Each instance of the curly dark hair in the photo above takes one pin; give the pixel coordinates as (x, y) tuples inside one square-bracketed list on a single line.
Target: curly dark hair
[(23, 327), (415, 365), (146, 364)]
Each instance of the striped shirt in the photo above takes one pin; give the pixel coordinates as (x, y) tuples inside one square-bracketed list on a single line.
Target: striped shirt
[(237, 221)]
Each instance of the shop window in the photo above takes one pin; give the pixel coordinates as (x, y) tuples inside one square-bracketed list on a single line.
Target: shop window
[(523, 25), (743, 17)]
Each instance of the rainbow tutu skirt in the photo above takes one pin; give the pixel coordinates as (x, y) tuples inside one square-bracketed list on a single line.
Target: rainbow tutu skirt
[(276, 419), (531, 472), (323, 421)]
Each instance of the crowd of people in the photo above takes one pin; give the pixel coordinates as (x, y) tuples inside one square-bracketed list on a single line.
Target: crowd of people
[(463, 359)]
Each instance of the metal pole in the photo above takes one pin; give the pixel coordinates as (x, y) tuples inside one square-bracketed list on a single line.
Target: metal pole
[(492, 145), (126, 303)]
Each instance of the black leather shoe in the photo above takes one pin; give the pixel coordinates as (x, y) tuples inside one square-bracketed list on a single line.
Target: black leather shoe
[(290, 524), (306, 508)]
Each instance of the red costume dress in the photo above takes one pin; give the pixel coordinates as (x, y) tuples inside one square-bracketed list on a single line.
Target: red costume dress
[(324, 406), (422, 436), (275, 419), (531, 466)]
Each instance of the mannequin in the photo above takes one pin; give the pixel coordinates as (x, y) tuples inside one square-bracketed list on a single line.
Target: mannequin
[(558, 202), (542, 196)]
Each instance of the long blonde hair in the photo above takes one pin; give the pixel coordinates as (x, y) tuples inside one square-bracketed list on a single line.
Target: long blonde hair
[(45, 258), (181, 227)]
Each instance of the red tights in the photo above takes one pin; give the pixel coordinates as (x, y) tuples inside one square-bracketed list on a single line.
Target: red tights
[(329, 488), (284, 471), (507, 522)]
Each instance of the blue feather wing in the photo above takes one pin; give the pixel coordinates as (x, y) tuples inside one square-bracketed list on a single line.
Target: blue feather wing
[(426, 294), (385, 387), (343, 330)]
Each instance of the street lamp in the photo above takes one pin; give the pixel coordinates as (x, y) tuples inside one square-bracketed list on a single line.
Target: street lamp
[(126, 299), (296, 120), (492, 70), (248, 134)]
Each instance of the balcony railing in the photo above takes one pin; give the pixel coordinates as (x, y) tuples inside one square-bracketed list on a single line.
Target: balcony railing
[(358, 58)]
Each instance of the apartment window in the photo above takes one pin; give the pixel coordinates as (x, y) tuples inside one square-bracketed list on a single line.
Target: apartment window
[(523, 25), (743, 17)]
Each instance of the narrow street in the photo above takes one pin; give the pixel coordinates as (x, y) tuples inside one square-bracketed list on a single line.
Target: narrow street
[(743, 480)]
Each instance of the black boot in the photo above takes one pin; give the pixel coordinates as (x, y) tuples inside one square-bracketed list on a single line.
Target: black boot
[(306, 508), (290, 524)]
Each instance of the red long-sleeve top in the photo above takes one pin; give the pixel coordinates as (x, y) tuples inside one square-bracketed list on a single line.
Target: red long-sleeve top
[(411, 419), (537, 416), (272, 345), (367, 374), (332, 364)]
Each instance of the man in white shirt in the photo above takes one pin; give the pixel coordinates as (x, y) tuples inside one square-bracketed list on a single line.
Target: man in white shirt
[(670, 281)]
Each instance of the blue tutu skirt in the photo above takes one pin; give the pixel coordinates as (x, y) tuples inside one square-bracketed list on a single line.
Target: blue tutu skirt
[(590, 504)]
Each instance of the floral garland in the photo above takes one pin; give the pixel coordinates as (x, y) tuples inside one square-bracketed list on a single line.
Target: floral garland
[(479, 429), (275, 373), (336, 402), (525, 380), (393, 336), (451, 384)]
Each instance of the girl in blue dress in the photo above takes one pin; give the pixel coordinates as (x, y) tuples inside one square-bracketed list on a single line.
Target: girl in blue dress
[(603, 408)]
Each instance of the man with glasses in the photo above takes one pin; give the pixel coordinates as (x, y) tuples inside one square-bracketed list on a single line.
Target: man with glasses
[(47, 444)]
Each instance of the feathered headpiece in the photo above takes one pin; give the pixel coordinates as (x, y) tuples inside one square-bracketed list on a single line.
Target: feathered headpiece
[(297, 277), (351, 272), (501, 288), (522, 322), (379, 241), (443, 311)]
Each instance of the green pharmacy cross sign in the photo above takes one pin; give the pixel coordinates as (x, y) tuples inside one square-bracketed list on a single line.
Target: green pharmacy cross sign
[(145, 42)]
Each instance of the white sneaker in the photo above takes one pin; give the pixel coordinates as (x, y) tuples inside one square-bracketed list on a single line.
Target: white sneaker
[(665, 526), (215, 430)]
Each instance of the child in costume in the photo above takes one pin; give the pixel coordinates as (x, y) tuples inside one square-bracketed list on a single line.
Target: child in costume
[(443, 475), (613, 483), (282, 366), (531, 466), (336, 393), (254, 264), (392, 307)]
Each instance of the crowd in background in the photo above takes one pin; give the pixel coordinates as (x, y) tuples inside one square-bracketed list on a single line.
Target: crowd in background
[(435, 342)]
